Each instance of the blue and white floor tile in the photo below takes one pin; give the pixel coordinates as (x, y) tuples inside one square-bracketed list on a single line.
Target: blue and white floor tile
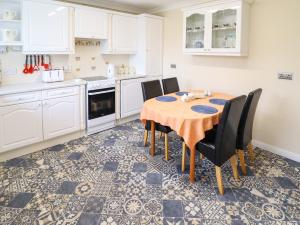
[(110, 179)]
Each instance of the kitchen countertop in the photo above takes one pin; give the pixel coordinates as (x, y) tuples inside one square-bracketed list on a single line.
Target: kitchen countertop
[(128, 77), (38, 86)]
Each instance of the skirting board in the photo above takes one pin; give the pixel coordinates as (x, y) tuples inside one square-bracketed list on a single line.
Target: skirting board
[(277, 150)]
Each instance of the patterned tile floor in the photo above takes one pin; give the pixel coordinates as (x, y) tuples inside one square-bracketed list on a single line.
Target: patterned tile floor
[(109, 179)]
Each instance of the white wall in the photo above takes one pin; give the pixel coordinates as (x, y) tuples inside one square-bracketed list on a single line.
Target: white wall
[(274, 47)]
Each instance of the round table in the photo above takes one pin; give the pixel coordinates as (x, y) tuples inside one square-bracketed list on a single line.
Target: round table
[(180, 117)]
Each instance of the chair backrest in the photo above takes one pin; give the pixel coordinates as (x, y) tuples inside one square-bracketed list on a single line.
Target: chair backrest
[(227, 129), (170, 85), (151, 89), (246, 122)]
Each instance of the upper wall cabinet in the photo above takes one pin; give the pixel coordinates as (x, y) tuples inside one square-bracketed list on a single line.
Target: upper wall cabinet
[(48, 27), (217, 28), (122, 35), (148, 60), (91, 23)]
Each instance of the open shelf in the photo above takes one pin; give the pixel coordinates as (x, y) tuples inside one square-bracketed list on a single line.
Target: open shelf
[(10, 21), (13, 43)]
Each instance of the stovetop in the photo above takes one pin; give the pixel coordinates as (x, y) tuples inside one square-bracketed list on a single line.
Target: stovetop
[(99, 82)]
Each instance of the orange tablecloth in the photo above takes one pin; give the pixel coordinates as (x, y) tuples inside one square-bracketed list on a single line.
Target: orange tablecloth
[(190, 125)]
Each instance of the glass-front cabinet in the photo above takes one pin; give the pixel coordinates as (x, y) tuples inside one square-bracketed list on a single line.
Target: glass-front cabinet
[(10, 22), (195, 31), (216, 29)]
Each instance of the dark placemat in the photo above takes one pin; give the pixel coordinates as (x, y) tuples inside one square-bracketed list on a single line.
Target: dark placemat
[(181, 93), (166, 99), (205, 109), (218, 101)]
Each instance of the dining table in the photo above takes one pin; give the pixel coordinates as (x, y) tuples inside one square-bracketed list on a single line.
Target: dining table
[(189, 119)]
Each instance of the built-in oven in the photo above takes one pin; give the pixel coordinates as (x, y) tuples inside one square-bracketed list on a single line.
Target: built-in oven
[(100, 109)]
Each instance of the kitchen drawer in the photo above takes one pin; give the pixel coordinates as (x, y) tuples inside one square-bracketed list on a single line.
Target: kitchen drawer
[(14, 99), (60, 92)]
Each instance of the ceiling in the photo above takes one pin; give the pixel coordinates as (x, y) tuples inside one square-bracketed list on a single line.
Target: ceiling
[(134, 6), (147, 4)]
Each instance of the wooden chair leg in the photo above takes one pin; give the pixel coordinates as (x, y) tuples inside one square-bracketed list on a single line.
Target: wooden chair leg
[(251, 153), (219, 180), (233, 162), (202, 156), (183, 157), (242, 161), (161, 134), (145, 137), (166, 147)]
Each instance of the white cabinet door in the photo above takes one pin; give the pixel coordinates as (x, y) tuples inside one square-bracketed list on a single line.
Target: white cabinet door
[(91, 23), (148, 59), (154, 46), (61, 116), (20, 125), (47, 27), (131, 97), (124, 34)]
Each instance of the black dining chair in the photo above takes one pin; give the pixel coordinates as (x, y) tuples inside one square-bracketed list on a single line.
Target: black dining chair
[(219, 145), (152, 89), (170, 85), (244, 136)]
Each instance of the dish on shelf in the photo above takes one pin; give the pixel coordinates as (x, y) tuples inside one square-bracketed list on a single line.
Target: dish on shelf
[(198, 44)]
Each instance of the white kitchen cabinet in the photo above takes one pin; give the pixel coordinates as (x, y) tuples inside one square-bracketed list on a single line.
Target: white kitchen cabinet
[(91, 23), (61, 116), (148, 60), (131, 97), (122, 35), (20, 125), (48, 27), (217, 28)]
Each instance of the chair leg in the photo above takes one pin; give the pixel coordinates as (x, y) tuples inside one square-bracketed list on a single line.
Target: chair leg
[(183, 157), (202, 156), (145, 137), (166, 147), (161, 134), (251, 153), (233, 162), (242, 161), (219, 180)]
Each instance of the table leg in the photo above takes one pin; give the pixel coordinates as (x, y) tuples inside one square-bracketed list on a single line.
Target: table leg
[(152, 150), (192, 165)]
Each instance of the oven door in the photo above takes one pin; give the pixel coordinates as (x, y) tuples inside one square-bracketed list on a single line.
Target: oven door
[(101, 103)]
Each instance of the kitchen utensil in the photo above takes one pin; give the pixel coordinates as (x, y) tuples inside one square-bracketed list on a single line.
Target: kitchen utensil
[(31, 68), (42, 61), (47, 66), (39, 60), (35, 68), (25, 70)]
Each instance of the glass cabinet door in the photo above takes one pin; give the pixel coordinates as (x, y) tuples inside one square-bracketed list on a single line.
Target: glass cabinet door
[(195, 25), (224, 29)]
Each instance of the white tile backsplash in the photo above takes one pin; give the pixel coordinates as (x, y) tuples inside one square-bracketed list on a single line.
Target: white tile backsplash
[(87, 61)]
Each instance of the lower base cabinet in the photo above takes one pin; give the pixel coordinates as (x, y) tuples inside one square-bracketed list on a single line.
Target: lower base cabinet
[(20, 125), (131, 97), (55, 114), (61, 116)]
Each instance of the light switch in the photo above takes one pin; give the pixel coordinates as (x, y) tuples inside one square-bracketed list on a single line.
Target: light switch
[(285, 76)]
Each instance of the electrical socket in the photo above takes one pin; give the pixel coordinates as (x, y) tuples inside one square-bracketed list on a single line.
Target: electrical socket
[(285, 76), (173, 66)]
